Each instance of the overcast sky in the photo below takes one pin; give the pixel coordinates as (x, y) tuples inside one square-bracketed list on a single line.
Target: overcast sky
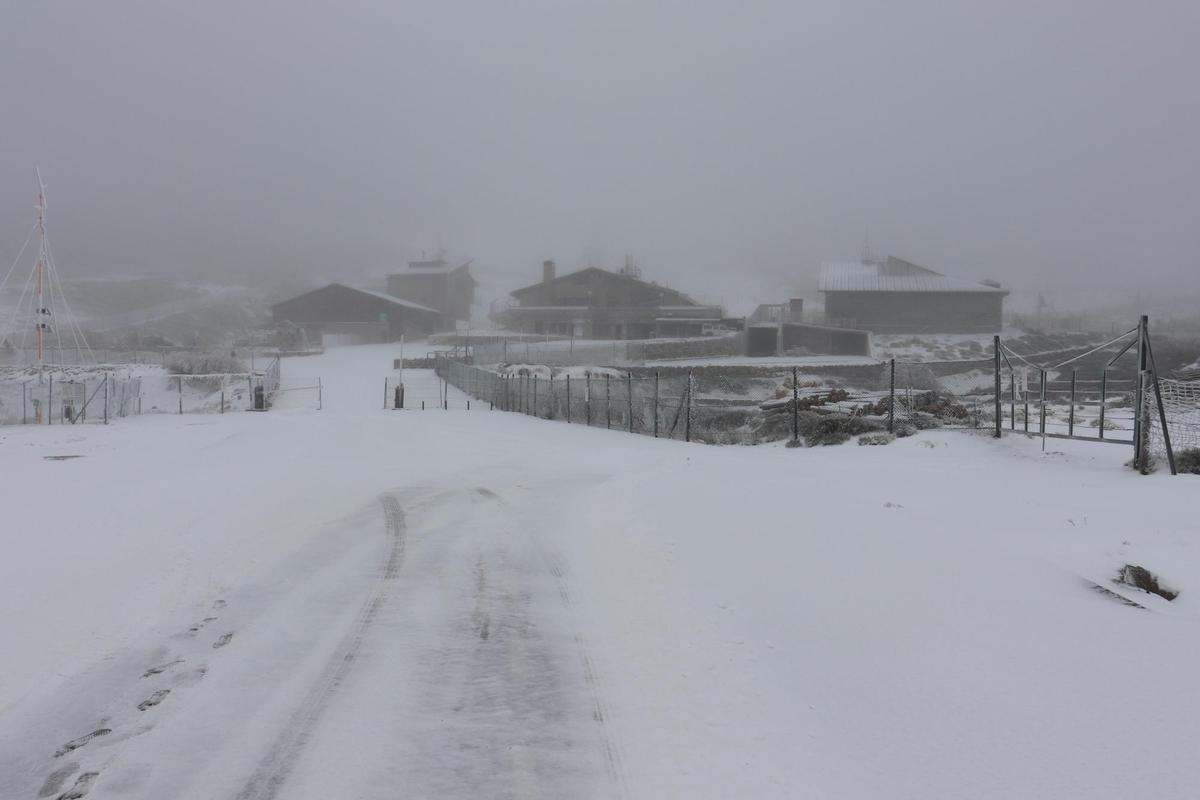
[(731, 147)]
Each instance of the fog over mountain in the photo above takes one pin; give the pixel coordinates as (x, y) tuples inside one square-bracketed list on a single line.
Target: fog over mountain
[(730, 147)]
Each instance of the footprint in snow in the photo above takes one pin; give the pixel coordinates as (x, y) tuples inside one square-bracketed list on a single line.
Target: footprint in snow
[(82, 784), (224, 640), (75, 744), (161, 668), (54, 780), (153, 700)]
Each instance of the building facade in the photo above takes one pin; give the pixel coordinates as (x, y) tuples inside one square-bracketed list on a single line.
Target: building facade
[(438, 285), (339, 314), (897, 296), (595, 303)]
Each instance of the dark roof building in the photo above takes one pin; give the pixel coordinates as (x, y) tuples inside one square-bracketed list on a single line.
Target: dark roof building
[(595, 303), (438, 285), (340, 314), (896, 296)]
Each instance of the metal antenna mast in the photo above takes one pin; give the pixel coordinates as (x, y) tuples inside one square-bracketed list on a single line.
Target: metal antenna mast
[(42, 316)]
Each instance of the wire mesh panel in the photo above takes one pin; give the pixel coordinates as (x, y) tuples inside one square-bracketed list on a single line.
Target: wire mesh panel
[(1181, 407)]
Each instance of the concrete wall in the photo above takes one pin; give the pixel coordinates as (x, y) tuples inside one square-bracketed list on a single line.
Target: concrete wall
[(917, 312)]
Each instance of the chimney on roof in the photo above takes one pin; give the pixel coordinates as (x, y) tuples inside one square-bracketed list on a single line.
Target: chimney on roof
[(548, 282)]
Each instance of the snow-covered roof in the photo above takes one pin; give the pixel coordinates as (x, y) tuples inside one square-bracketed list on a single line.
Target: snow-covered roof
[(435, 268), (893, 275), (399, 301)]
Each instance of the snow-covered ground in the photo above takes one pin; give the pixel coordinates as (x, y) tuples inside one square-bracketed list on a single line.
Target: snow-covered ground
[(355, 602)]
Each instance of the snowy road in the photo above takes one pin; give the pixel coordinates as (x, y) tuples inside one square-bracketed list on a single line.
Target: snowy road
[(356, 603)]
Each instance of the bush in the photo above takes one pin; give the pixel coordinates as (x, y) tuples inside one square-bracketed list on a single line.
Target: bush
[(883, 437), (203, 364), (1188, 461), (825, 429)]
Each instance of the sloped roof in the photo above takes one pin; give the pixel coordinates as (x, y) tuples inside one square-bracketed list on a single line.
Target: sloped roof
[(443, 268), (893, 275), (396, 301), (608, 274)]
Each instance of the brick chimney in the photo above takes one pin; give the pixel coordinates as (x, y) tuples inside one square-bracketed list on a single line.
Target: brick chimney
[(548, 283)]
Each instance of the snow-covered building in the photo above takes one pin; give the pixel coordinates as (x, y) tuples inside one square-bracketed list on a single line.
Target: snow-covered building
[(438, 285), (340, 314), (595, 303), (897, 296)]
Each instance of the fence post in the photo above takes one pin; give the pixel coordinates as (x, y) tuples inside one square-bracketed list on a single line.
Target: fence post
[(1042, 415), (608, 401), (629, 397), (179, 382), (656, 404), (385, 393), (222, 399), (1071, 413), (105, 397), (687, 430), (1025, 372), (533, 410), (1139, 399), (24, 413), (321, 392), (796, 405), (1103, 397), (568, 398), (892, 396), (1012, 398), (997, 409), (1143, 415), (50, 402)]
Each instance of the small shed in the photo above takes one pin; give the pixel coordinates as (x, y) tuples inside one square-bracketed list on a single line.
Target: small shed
[(338, 314), (897, 296)]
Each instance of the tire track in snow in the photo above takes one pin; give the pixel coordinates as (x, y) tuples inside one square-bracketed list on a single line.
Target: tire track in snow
[(273, 770), (614, 760)]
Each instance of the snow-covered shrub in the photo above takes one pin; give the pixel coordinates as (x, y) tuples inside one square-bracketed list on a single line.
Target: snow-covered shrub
[(825, 429), (882, 437), (1188, 461), (204, 364)]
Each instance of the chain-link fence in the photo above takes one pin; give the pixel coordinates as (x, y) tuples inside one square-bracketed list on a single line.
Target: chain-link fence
[(569, 352), (73, 395), (734, 404)]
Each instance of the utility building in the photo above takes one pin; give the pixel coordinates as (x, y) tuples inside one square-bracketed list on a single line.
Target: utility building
[(896, 296), (437, 285), (337, 314), (595, 303)]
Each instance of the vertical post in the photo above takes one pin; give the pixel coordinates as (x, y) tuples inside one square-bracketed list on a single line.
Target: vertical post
[(179, 382), (105, 398), (629, 397), (656, 404), (534, 410), (222, 399), (1042, 403), (796, 405), (996, 366), (1138, 398), (1103, 397), (1012, 399), (608, 401), (24, 413), (50, 402), (1071, 413), (385, 393), (321, 392), (892, 396), (587, 398), (1143, 415), (569, 398), (687, 431), (1025, 372)]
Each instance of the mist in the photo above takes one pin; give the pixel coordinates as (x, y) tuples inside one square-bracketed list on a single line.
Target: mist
[(730, 148)]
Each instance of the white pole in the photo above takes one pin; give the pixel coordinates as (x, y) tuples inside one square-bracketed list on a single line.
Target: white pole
[(402, 359)]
